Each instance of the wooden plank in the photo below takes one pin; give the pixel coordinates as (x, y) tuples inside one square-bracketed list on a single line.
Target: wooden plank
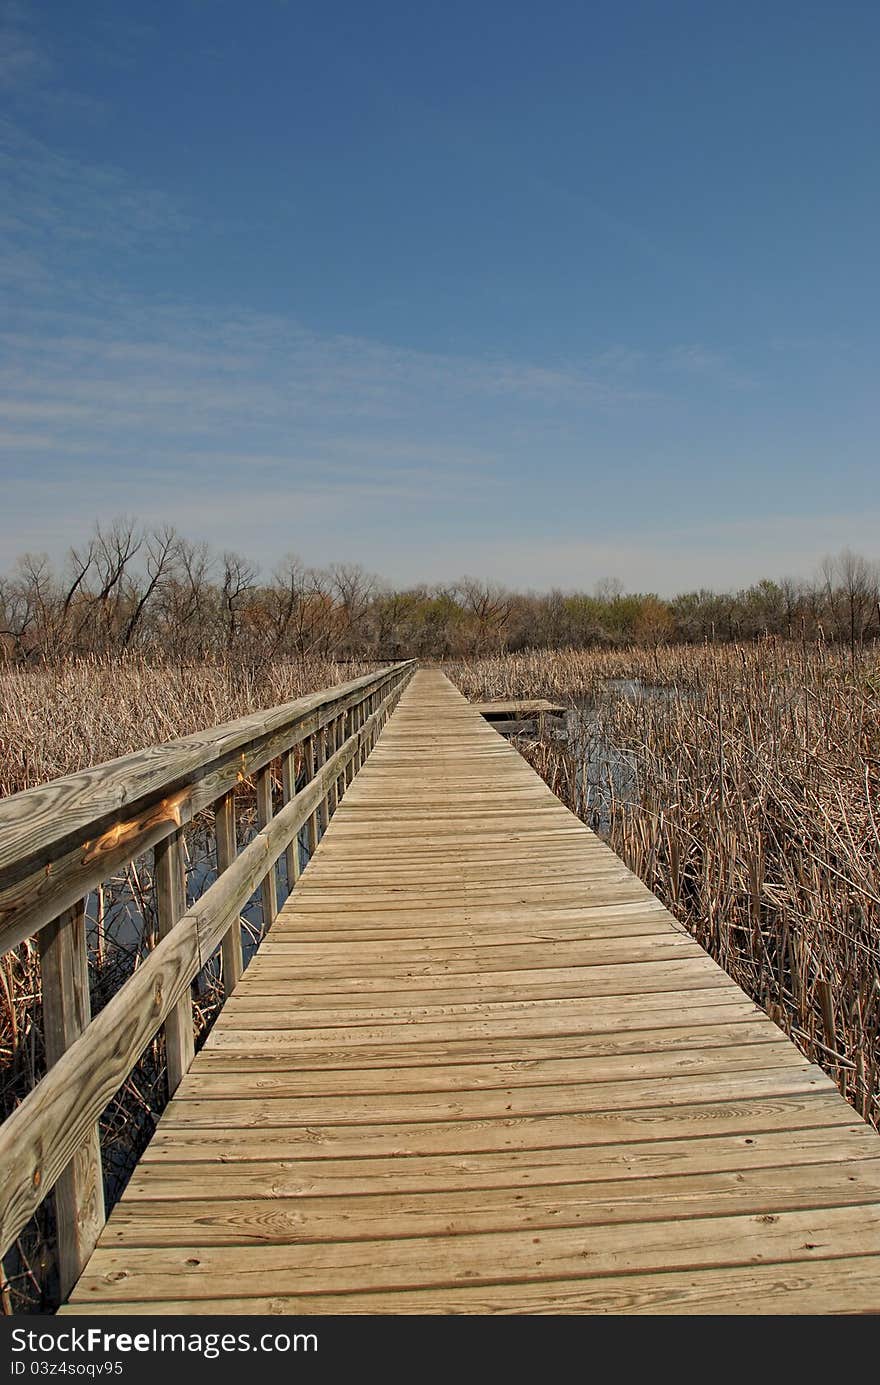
[(249, 1221), (517, 1015), (362, 1046), (482, 1072), (768, 1289), (515, 1257), (746, 1117), (518, 707), (517, 1168), (502, 1103)]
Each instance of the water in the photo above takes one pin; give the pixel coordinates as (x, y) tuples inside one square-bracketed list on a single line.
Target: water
[(606, 774), (635, 690)]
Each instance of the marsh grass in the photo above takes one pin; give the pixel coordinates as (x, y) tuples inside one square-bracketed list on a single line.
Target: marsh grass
[(58, 718), (753, 814)]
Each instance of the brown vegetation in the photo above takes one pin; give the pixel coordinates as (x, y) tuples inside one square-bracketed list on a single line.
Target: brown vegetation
[(60, 716), (153, 592), (741, 784)]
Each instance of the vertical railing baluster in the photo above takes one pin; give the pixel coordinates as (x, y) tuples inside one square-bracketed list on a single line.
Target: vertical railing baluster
[(320, 758), (224, 831), (79, 1192), (341, 736), (268, 885), (170, 904), (349, 726), (332, 747)]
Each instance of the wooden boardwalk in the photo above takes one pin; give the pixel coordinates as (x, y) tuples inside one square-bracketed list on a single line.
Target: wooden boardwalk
[(477, 1067)]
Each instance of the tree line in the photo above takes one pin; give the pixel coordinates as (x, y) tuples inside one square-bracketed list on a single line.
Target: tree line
[(150, 590)]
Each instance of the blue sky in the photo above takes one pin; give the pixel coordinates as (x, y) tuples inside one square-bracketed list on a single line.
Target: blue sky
[(537, 293)]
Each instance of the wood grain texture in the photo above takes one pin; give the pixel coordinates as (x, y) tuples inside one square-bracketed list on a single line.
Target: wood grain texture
[(170, 907), (477, 1067), (227, 847)]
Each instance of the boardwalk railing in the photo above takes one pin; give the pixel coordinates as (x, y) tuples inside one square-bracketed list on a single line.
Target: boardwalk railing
[(62, 840)]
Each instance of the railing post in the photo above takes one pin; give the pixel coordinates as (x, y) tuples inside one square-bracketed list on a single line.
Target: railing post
[(79, 1191), (341, 734), (224, 832), (373, 704), (269, 886), (288, 788), (349, 726), (333, 790), (170, 905), (320, 759), (360, 718), (310, 765)]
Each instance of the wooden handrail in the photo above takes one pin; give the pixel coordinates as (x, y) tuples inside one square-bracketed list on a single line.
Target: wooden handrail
[(50, 1140), (60, 840)]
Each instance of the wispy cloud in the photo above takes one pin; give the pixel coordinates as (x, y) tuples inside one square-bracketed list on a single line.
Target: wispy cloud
[(53, 201), (24, 60), (242, 426)]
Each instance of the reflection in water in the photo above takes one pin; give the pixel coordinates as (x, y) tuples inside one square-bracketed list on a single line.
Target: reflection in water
[(599, 773)]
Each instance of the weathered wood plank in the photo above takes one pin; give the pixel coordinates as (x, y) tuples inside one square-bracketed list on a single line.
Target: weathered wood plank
[(761, 1289), (514, 1257)]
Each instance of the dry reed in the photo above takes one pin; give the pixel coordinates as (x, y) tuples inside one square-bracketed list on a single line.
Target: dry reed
[(749, 801), (58, 718)]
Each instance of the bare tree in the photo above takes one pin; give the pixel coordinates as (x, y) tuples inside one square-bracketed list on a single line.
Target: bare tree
[(488, 606), (851, 583), (161, 547), (608, 589), (239, 579), (353, 589), (113, 551)]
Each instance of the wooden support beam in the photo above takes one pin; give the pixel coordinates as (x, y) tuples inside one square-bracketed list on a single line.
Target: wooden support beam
[(79, 1192), (170, 906), (310, 758), (224, 831)]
